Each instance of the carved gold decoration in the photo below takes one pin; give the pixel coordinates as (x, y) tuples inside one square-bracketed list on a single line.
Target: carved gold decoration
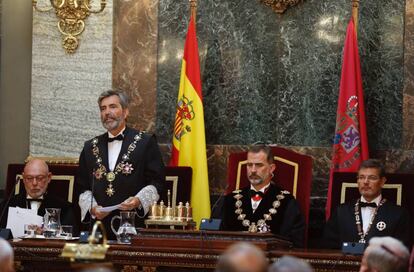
[(280, 6), (72, 15)]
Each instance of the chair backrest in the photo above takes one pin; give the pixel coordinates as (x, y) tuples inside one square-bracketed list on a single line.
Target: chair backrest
[(178, 181), (62, 184), (293, 173), (397, 188)]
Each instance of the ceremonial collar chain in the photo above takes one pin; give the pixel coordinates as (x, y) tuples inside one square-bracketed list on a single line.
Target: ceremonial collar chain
[(123, 166), (260, 225), (358, 220)]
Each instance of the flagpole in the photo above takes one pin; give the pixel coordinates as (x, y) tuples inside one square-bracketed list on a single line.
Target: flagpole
[(193, 7), (355, 9)]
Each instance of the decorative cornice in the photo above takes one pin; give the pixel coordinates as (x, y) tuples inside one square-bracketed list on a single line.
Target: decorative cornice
[(280, 6), (54, 160)]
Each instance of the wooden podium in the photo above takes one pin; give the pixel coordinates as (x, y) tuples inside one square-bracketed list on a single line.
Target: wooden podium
[(214, 241), (174, 251)]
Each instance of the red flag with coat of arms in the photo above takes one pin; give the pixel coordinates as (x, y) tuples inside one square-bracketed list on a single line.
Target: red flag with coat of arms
[(350, 145)]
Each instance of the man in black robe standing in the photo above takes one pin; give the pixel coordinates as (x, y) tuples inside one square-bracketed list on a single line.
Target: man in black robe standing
[(263, 206), (369, 216), (122, 166)]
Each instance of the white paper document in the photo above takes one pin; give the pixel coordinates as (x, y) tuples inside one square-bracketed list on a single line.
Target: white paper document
[(18, 217), (109, 208)]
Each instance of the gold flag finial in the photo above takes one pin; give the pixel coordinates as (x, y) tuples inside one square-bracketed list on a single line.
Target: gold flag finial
[(355, 9), (193, 8)]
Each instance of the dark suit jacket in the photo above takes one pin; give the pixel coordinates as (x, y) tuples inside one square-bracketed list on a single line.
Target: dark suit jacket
[(67, 216), (287, 222), (341, 227), (148, 169)]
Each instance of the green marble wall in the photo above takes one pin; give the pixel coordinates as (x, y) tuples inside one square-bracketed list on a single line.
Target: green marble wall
[(276, 77)]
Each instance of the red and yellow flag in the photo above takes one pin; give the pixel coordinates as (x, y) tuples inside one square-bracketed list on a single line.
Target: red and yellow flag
[(189, 141), (350, 146)]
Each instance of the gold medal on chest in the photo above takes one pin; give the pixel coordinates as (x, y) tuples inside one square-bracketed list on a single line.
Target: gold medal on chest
[(110, 176)]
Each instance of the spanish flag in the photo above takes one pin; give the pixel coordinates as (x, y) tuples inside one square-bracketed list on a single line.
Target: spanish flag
[(189, 141)]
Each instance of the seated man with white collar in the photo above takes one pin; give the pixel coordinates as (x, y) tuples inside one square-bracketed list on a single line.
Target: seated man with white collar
[(36, 178), (369, 216)]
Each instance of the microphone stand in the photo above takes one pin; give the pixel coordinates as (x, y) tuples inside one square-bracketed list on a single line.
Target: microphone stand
[(90, 208), (6, 204)]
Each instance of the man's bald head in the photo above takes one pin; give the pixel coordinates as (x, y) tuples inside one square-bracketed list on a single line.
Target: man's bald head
[(36, 177)]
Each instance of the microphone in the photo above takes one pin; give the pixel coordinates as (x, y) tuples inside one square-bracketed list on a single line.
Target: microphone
[(6, 233), (214, 222), (218, 203), (90, 207), (84, 235)]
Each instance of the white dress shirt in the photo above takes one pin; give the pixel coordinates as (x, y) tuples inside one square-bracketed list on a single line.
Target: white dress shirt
[(256, 204), (367, 212), (34, 205)]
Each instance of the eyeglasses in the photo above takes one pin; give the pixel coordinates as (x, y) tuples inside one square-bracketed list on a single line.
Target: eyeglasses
[(369, 178), (31, 179)]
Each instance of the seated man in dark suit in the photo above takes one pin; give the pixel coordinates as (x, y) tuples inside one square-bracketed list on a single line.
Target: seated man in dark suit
[(263, 206), (370, 215), (36, 178)]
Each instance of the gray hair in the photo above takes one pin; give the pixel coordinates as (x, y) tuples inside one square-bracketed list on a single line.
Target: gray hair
[(387, 254), (6, 255), (234, 259), (290, 264), (123, 97)]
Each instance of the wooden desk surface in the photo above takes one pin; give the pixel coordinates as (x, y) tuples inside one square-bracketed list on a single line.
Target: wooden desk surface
[(33, 255)]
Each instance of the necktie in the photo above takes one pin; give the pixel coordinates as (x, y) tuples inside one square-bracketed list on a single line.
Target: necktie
[(366, 204), (256, 195), (120, 137), (31, 203)]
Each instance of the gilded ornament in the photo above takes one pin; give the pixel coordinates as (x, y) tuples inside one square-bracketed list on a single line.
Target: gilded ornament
[(122, 167), (72, 15), (252, 227), (110, 176), (280, 6), (110, 191), (127, 168)]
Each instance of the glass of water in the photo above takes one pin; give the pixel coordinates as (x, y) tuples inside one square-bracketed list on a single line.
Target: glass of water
[(66, 231)]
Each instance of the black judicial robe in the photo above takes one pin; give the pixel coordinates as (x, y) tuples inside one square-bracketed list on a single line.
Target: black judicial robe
[(341, 227), (148, 169), (287, 222), (67, 215)]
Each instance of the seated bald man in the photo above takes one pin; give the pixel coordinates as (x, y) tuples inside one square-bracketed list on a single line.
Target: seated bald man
[(36, 179)]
